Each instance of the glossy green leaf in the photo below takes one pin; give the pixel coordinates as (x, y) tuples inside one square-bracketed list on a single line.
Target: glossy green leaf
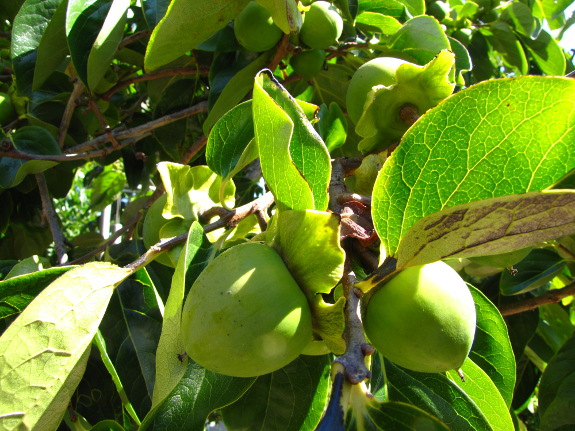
[(106, 187), (29, 27), (235, 91), (414, 7), (295, 161), (392, 8), (229, 138), (28, 139), (107, 42), (491, 348), (556, 393), (450, 155), (520, 16), (479, 387), (43, 352), (421, 37), (267, 405), (198, 393), (18, 291), (53, 48), (84, 20), (154, 11), (186, 24), (547, 53), (536, 270), (169, 369), (488, 227), (384, 24), (437, 395)]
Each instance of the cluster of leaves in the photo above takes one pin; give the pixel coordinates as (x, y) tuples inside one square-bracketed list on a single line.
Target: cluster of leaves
[(102, 91)]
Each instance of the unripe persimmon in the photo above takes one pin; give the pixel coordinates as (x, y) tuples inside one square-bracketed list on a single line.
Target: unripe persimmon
[(254, 28), (379, 71), (423, 319), (322, 25), (245, 315), (308, 63)]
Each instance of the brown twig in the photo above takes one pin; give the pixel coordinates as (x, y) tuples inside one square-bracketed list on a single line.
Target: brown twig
[(551, 297), (283, 47), (52, 218), (154, 75), (357, 347), (230, 218), (194, 149), (69, 111), (133, 38)]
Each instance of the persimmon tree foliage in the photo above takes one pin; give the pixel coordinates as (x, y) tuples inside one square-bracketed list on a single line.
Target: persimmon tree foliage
[(347, 215)]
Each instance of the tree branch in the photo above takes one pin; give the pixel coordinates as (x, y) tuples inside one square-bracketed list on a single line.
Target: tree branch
[(551, 297), (357, 347), (52, 218), (154, 75), (69, 111), (81, 151)]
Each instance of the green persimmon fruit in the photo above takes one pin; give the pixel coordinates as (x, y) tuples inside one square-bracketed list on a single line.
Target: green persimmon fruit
[(322, 25), (308, 63), (7, 112), (255, 30), (245, 315), (423, 319), (438, 9), (379, 71)]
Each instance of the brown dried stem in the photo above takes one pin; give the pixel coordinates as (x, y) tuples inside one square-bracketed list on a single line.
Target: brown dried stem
[(551, 297), (52, 218)]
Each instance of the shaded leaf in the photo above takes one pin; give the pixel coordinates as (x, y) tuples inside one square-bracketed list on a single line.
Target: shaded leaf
[(490, 226)]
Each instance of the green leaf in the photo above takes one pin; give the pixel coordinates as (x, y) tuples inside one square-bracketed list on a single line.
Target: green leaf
[(169, 369), (392, 8), (107, 42), (556, 395), (186, 24), (421, 37), (480, 143), (106, 187), (191, 189), (332, 126), (197, 394), (29, 26), (505, 42), (491, 348), (285, 14), (52, 49), (32, 140), (84, 20), (488, 227), (229, 138), (292, 398), (437, 395), (303, 234), (384, 24), (235, 91), (519, 15), (536, 270), (479, 387), (393, 416), (43, 353), (547, 53), (295, 161), (414, 7), (18, 291)]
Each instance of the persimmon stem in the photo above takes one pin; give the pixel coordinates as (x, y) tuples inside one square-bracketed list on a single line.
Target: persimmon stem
[(551, 297)]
